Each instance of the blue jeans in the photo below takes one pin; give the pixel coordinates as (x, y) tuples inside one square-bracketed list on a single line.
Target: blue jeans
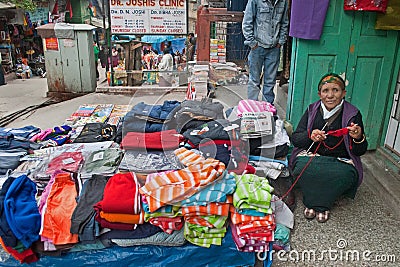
[(259, 58)]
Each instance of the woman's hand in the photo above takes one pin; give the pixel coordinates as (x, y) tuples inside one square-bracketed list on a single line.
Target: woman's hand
[(317, 135), (355, 131)]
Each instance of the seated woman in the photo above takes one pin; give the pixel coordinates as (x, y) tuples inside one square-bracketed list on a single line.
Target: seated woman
[(333, 130)]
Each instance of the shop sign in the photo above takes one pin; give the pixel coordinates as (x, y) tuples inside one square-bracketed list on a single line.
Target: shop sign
[(51, 44), (167, 17), (40, 14), (69, 43)]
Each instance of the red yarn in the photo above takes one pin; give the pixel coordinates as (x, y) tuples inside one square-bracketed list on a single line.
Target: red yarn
[(339, 132)]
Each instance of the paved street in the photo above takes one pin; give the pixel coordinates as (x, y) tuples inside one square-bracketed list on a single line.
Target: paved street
[(361, 232)]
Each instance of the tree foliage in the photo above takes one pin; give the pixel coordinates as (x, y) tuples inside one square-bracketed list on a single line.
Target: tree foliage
[(28, 5)]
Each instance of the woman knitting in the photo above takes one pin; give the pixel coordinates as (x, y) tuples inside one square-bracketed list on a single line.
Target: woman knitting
[(328, 141)]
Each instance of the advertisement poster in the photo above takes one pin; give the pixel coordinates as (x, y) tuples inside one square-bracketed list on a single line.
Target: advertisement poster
[(149, 17), (51, 44)]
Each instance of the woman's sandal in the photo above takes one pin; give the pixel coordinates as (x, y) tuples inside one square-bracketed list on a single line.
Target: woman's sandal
[(309, 213), (323, 216)]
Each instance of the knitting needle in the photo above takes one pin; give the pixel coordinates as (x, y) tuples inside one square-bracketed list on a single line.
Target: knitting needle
[(314, 141)]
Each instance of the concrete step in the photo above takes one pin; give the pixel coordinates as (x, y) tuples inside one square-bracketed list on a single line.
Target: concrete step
[(132, 90), (382, 176)]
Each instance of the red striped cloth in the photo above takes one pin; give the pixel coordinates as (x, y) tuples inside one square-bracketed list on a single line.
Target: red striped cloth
[(249, 227), (168, 225), (199, 221), (188, 157)]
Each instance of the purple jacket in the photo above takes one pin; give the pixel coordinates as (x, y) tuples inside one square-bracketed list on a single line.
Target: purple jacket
[(349, 111)]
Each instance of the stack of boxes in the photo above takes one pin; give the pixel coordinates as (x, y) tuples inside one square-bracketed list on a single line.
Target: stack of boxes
[(213, 50), (222, 51), (217, 51)]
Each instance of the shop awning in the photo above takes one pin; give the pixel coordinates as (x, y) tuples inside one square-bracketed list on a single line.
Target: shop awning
[(6, 5)]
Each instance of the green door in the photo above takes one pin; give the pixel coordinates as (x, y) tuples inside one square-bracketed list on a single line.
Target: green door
[(350, 45)]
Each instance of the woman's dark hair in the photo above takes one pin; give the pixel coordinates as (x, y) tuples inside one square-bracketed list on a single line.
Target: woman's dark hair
[(337, 77)]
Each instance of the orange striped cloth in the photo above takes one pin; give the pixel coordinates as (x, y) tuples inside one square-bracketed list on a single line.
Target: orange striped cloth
[(212, 208), (171, 187), (123, 218), (238, 218), (187, 157)]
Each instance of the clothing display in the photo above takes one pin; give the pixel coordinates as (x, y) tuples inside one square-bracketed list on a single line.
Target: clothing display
[(157, 188)]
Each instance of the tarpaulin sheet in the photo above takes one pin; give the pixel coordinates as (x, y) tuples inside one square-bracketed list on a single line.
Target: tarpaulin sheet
[(187, 255)]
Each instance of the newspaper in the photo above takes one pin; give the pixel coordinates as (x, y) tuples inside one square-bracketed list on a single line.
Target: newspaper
[(256, 124)]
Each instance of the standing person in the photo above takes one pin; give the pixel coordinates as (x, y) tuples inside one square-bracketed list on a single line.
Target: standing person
[(115, 57), (96, 59), (2, 79), (333, 130), (265, 28), (169, 50), (165, 65), (190, 46), (103, 56)]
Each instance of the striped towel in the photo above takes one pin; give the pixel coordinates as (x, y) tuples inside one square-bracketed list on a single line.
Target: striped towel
[(167, 188)]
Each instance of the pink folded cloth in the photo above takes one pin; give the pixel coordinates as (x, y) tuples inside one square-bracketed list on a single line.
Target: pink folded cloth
[(248, 105)]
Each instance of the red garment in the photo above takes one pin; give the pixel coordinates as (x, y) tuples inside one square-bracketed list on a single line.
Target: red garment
[(121, 195), (26, 256), (366, 5), (55, 9), (164, 140), (68, 7)]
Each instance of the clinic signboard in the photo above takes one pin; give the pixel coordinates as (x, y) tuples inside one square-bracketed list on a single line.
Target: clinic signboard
[(166, 17)]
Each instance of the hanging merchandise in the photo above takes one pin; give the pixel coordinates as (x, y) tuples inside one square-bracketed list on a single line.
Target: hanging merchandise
[(307, 18), (366, 5), (91, 9), (391, 19), (68, 7), (54, 14)]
